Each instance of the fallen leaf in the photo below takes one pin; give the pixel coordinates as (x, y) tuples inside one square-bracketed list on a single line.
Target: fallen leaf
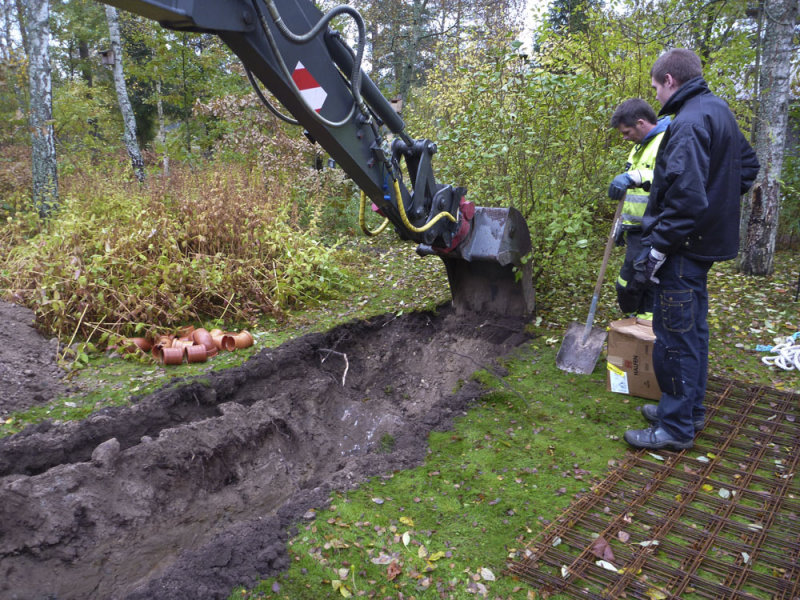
[(436, 556), (338, 585), (606, 565), (656, 594), (707, 487), (487, 574), (601, 549), (556, 541), (393, 570), (407, 521), (656, 456), (422, 552), (378, 500), (564, 571), (745, 557), (623, 536), (381, 559), (648, 543), (406, 539), (723, 493)]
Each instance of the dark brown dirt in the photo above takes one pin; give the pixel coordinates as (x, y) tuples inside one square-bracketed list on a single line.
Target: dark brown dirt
[(29, 373), (194, 489)]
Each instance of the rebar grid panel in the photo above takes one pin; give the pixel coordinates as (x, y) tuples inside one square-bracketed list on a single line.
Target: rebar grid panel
[(718, 521)]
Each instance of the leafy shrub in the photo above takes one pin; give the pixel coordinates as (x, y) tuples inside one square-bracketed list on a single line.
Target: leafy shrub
[(118, 257), (516, 135)]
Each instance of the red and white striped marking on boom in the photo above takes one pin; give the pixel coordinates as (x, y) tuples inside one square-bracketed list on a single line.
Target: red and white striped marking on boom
[(310, 90)]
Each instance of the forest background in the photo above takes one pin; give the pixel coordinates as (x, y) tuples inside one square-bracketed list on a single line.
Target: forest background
[(174, 197)]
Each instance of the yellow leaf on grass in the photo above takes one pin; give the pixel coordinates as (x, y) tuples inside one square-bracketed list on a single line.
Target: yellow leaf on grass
[(407, 521), (707, 487), (422, 552), (341, 588), (436, 556)]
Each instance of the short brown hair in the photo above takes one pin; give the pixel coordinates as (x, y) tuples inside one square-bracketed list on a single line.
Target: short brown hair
[(681, 63), (630, 111)]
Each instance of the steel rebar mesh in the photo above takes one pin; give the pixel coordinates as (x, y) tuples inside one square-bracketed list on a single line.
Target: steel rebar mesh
[(721, 520)]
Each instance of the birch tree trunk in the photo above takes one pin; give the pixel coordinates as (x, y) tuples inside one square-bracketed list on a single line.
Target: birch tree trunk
[(759, 225), (162, 132), (112, 16), (43, 146)]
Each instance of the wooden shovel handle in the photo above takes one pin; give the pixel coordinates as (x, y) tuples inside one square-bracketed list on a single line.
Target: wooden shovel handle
[(609, 246)]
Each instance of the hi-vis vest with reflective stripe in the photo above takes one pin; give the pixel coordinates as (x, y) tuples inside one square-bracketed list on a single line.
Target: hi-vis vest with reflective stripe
[(642, 159)]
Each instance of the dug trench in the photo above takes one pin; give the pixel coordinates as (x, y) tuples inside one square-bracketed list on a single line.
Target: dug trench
[(195, 489)]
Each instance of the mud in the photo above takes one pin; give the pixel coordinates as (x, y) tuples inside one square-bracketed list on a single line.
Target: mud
[(195, 489), (29, 372)]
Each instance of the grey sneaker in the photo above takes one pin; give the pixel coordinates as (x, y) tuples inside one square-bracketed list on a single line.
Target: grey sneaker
[(655, 438), (650, 413)]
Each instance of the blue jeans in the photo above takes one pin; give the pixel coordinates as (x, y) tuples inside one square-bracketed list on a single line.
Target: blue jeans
[(680, 353)]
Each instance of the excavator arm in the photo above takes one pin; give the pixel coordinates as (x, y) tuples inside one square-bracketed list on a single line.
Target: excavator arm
[(289, 47)]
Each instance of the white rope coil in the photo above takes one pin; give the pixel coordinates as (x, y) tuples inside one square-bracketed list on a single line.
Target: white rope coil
[(785, 355)]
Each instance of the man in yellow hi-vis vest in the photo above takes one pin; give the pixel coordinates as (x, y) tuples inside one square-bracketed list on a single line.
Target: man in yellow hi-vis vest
[(636, 120)]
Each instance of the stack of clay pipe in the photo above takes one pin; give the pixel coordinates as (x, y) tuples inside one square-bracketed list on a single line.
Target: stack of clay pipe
[(192, 345)]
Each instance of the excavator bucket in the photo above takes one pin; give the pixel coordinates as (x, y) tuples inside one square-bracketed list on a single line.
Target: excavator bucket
[(485, 271)]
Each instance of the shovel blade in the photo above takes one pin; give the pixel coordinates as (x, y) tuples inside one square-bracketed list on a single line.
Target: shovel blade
[(579, 355)]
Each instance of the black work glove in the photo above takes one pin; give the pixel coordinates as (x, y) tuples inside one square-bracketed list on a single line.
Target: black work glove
[(619, 185), (647, 265)]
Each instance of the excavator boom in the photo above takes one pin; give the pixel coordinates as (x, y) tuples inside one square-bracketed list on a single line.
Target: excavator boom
[(288, 46)]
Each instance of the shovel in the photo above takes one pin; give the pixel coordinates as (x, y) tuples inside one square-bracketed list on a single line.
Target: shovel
[(583, 344)]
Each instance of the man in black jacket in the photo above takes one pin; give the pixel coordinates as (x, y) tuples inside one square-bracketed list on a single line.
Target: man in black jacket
[(703, 167)]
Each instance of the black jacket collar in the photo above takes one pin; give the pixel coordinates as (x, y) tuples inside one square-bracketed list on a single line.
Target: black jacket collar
[(690, 89)]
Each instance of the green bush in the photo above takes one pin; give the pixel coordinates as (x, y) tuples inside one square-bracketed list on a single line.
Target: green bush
[(119, 257), (517, 135)]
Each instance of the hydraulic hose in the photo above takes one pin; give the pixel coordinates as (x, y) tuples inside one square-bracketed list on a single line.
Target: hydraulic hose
[(404, 217), (355, 78), (362, 219), (264, 100)]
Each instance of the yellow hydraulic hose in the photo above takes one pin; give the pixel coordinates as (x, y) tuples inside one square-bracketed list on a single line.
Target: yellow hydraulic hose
[(362, 220), (404, 218)]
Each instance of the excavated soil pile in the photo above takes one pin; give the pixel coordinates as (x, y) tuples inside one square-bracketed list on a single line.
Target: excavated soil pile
[(193, 489)]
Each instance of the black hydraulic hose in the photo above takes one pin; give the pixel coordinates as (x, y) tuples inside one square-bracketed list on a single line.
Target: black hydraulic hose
[(300, 39), (355, 77), (264, 100)]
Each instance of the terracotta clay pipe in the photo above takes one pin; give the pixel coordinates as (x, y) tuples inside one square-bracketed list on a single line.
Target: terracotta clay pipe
[(243, 339), (224, 341), (196, 353), (132, 344), (172, 356), (202, 336)]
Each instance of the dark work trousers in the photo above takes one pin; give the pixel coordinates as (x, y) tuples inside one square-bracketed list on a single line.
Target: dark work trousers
[(631, 297), (680, 353)]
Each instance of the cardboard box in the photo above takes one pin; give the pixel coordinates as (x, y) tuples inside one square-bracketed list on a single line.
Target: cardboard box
[(630, 358)]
